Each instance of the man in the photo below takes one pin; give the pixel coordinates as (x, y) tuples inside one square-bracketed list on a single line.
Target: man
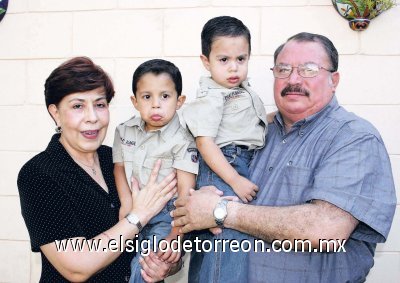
[(323, 174)]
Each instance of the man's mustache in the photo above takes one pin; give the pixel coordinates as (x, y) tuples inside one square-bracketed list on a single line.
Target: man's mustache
[(294, 88)]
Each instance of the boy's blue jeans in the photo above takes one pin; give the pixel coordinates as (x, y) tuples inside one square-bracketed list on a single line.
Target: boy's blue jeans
[(157, 229), (217, 265)]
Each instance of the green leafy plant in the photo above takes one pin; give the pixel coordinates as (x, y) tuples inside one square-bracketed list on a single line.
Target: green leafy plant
[(368, 8)]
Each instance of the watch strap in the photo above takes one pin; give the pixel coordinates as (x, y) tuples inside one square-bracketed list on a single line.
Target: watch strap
[(222, 204)]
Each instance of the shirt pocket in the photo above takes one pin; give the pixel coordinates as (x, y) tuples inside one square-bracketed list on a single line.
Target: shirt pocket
[(297, 183), (148, 164), (237, 105), (128, 153)]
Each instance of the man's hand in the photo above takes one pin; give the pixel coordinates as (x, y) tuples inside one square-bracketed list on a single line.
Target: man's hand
[(195, 212), (245, 189)]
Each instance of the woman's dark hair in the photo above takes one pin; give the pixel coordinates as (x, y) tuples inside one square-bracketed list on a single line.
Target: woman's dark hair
[(222, 26), (157, 67), (78, 74)]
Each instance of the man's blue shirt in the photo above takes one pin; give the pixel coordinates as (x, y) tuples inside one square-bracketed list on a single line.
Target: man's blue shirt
[(333, 156)]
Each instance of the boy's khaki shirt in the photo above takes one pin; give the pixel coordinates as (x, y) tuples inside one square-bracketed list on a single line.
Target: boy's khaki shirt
[(139, 150), (234, 115)]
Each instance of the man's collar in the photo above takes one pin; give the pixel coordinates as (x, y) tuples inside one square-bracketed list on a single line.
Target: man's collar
[(308, 120)]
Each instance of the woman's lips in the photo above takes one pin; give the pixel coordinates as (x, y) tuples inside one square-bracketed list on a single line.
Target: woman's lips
[(92, 134)]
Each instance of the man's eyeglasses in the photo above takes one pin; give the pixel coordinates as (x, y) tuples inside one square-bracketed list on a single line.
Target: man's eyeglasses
[(307, 70)]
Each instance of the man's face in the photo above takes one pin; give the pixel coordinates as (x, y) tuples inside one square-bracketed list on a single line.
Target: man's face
[(297, 97)]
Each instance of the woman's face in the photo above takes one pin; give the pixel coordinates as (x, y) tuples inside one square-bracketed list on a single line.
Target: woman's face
[(83, 118)]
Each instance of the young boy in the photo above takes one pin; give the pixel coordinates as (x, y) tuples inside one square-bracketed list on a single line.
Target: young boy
[(228, 121), (156, 134)]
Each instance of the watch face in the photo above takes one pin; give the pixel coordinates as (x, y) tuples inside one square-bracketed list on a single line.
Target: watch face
[(219, 213)]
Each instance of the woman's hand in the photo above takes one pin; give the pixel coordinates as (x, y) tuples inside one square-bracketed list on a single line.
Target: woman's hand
[(148, 201)]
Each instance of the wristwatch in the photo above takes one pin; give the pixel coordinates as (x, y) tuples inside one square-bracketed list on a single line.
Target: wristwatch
[(134, 219), (221, 212)]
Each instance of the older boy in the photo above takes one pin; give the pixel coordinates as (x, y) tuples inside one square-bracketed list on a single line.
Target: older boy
[(228, 121)]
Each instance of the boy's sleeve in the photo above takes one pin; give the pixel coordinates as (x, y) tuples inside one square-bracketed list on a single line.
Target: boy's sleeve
[(204, 114), (186, 157), (117, 148)]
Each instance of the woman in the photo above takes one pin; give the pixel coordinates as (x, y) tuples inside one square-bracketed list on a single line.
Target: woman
[(68, 192)]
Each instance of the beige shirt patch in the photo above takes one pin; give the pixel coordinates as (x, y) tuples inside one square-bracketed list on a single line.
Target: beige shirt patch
[(234, 115), (139, 150)]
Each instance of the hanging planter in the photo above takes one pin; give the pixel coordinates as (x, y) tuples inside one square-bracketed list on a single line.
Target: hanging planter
[(359, 13), (3, 8)]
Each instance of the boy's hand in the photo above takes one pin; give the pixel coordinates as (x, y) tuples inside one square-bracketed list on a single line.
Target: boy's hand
[(171, 255), (215, 230), (245, 189)]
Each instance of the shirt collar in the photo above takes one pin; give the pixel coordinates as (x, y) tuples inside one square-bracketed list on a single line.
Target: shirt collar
[(304, 123), (165, 132)]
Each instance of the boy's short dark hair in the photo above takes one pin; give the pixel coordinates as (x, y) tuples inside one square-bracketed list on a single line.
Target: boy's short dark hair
[(222, 26), (157, 67)]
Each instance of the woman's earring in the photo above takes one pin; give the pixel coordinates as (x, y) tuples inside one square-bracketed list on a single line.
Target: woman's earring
[(58, 130)]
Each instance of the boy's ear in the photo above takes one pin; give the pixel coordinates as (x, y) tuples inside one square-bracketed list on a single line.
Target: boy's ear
[(181, 100), (205, 61), (134, 101)]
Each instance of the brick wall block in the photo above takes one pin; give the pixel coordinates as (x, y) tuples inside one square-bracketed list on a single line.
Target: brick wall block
[(14, 258), (14, 34), (381, 37), (28, 128), (36, 267), (320, 3), (183, 28), (392, 244), (13, 82), (385, 119), (70, 5), (50, 35), (10, 212), (124, 69), (118, 33), (386, 268), (9, 168), (253, 3), (154, 4), (37, 73), (365, 80), (17, 6), (277, 26)]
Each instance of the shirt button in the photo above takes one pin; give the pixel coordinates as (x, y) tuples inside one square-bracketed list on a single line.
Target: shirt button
[(290, 163), (301, 134), (284, 141), (270, 168), (112, 205), (235, 106), (142, 147)]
